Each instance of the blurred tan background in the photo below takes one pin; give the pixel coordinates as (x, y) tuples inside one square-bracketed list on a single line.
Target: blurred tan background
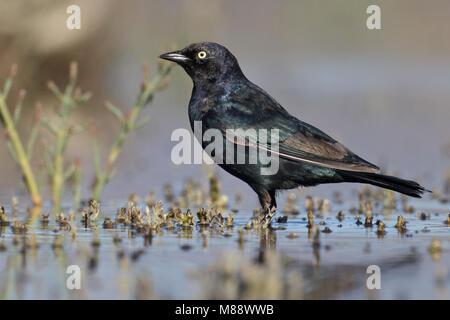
[(383, 93)]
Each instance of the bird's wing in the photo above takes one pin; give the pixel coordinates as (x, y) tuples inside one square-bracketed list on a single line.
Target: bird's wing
[(310, 145), (297, 140)]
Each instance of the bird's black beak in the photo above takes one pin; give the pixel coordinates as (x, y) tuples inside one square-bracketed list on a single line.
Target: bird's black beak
[(175, 56)]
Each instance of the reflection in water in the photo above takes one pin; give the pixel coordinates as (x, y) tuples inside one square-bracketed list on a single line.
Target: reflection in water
[(168, 252), (267, 242)]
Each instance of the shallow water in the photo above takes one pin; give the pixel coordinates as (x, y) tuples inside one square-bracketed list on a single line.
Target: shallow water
[(175, 264)]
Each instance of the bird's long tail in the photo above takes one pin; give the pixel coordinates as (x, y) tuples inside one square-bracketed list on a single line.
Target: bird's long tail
[(408, 187)]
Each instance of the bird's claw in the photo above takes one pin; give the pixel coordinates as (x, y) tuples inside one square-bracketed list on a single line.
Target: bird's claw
[(267, 218)]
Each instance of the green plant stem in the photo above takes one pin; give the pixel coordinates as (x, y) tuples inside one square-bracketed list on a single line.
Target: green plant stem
[(77, 186), (127, 125), (62, 136), (20, 153)]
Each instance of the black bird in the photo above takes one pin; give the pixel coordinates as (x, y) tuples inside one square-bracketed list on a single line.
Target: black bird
[(223, 98)]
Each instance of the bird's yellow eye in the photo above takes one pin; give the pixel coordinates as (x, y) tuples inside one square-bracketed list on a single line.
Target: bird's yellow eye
[(202, 54)]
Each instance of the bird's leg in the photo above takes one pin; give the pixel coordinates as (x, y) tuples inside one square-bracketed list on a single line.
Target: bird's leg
[(269, 206)]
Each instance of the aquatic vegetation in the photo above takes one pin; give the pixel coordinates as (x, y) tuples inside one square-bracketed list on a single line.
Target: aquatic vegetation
[(63, 222), (44, 220), (401, 224), (216, 198), (4, 221), (18, 228), (142, 231), (90, 213), (309, 203), (70, 98), (290, 207), (129, 121), (369, 217), (447, 182), (76, 183), (212, 217), (340, 216), (323, 206), (310, 218), (327, 230), (358, 219), (381, 228), (17, 150), (108, 224), (54, 162), (424, 216)]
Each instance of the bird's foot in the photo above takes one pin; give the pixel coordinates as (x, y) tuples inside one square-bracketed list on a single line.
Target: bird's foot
[(268, 214)]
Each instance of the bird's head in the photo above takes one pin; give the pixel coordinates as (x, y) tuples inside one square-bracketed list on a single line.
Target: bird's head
[(205, 62)]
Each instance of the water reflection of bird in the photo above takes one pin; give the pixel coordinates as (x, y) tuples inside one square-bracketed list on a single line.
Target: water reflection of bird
[(223, 98)]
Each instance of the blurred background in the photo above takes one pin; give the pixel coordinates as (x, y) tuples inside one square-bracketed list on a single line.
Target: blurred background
[(383, 93)]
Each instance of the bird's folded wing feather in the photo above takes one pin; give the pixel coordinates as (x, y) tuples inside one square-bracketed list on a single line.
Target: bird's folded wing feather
[(307, 149), (298, 141)]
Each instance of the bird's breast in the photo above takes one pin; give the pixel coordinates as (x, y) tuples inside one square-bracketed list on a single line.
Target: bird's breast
[(199, 105)]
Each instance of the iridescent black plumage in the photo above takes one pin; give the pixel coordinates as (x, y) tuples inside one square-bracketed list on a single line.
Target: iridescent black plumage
[(223, 98)]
